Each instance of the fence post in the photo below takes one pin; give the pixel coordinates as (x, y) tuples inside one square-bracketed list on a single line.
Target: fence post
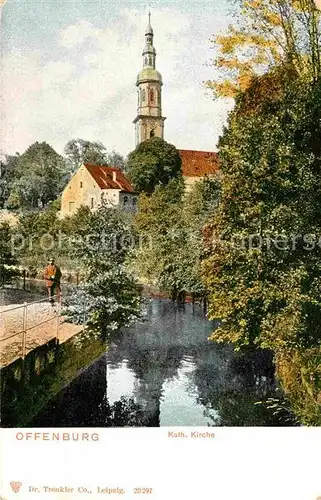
[(24, 329), (24, 279), (58, 314), (84, 317)]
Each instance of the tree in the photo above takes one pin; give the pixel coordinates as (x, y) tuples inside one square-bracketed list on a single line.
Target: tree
[(262, 268), (109, 295), (39, 235), (79, 151), (7, 257), (8, 168), (116, 160), (28, 192), (169, 225), (36, 177), (154, 162), (156, 224), (266, 34)]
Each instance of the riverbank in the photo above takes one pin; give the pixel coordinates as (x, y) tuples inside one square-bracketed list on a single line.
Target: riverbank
[(22, 311), (299, 373), (27, 385)]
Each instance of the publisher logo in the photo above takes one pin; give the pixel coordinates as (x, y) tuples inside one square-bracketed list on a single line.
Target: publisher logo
[(15, 486)]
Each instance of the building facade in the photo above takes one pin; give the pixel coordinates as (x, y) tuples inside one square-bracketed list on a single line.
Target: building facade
[(94, 186), (149, 121)]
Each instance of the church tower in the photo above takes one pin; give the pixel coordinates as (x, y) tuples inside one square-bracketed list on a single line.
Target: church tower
[(149, 121)]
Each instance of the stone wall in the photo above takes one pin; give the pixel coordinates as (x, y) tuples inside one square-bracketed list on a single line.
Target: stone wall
[(28, 385)]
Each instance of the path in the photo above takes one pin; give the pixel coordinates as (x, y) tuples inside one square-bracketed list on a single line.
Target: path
[(43, 324)]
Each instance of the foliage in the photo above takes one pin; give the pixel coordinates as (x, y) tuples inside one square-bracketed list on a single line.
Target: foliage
[(169, 225), (262, 271), (114, 159), (37, 177), (34, 178), (7, 170), (110, 295), (7, 258), (154, 162), (79, 151), (266, 34), (39, 235), (300, 374)]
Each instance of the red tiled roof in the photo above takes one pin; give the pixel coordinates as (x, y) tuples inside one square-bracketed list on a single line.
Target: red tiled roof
[(198, 163), (109, 177)]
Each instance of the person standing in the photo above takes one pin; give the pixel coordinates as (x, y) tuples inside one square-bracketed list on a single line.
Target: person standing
[(52, 276)]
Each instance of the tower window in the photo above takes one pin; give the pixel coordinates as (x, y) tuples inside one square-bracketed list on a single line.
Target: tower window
[(146, 61), (152, 96), (150, 61), (143, 95)]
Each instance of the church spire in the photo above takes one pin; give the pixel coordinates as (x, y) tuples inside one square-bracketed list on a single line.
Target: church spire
[(149, 29), (149, 52), (149, 121)]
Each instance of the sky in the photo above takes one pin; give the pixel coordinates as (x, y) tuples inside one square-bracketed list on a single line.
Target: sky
[(69, 69)]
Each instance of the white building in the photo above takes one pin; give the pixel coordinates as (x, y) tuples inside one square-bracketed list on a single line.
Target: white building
[(95, 185)]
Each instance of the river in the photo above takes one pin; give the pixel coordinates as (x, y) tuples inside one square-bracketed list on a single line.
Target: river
[(163, 371)]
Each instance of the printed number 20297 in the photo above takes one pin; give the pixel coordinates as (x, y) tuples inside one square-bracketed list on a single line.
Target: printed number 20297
[(143, 491)]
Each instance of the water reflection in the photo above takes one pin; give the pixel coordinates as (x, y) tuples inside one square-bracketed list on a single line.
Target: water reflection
[(164, 372)]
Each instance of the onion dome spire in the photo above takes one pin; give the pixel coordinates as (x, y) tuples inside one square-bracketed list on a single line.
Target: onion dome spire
[(149, 52)]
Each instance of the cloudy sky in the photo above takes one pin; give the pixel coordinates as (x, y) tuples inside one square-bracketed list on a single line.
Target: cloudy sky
[(69, 69)]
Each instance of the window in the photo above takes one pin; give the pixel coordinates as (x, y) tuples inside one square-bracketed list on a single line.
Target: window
[(80, 184), (151, 96), (150, 61), (143, 95), (102, 198), (152, 133), (92, 203), (134, 202), (71, 206), (125, 200)]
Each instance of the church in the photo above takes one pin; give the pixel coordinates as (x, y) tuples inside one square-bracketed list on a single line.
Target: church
[(150, 122), (95, 185)]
